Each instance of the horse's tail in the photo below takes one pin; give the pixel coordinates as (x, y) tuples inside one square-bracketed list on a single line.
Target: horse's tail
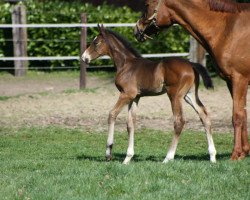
[(208, 83)]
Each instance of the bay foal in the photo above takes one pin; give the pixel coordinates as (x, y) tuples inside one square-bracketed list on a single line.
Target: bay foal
[(137, 77)]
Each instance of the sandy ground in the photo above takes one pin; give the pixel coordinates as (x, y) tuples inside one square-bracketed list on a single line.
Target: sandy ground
[(47, 101)]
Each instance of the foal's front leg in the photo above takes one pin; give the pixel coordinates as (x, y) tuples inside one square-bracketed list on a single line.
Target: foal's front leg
[(123, 100), (131, 130)]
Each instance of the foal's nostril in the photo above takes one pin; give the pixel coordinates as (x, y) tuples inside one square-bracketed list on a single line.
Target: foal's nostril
[(85, 57), (86, 60)]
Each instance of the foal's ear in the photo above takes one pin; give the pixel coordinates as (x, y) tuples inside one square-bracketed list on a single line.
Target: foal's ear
[(99, 28), (102, 29), (103, 32)]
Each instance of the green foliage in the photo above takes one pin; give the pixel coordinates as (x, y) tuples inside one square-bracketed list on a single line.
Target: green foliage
[(65, 41), (87, 90), (5, 18), (58, 163)]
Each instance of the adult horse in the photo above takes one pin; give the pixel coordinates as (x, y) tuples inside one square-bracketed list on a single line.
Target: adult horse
[(222, 27)]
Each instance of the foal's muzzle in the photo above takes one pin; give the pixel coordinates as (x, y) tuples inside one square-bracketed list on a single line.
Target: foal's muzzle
[(85, 58)]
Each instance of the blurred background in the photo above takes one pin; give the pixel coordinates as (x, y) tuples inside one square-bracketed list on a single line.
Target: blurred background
[(51, 42)]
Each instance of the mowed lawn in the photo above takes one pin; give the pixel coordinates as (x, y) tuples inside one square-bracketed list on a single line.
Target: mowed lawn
[(58, 163)]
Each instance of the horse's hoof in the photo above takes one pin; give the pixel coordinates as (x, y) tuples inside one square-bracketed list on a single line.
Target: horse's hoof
[(242, 156), (238, 156), (246, 150)]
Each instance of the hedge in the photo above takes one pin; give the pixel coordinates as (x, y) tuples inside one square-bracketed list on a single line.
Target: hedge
[(65, 41)]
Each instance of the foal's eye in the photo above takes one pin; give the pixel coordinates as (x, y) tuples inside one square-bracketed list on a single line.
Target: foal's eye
[(96, 43)]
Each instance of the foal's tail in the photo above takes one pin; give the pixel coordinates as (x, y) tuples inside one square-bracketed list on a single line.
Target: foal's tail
[(208, 83)]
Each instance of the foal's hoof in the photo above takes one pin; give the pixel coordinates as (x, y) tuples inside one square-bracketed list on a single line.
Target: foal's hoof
[(165, 161), (108, 158), (125, 162)]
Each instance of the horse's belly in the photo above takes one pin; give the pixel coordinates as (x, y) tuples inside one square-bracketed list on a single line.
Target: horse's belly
[(234, 60)]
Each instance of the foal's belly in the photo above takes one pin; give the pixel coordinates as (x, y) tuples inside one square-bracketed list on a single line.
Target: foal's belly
[(153, 91)]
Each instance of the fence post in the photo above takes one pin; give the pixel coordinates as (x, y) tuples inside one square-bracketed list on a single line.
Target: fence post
[(83, 46), (20, 39), (196, 52)]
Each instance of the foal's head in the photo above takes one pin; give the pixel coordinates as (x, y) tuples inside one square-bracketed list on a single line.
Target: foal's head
[(109, 43), (98, 47)]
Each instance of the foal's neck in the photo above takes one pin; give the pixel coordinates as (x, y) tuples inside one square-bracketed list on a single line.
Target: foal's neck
[(119, 53)]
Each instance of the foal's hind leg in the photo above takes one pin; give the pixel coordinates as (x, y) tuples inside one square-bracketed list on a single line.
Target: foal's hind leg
[(195, 102), (123, 100), (131, 129), (178, 126)]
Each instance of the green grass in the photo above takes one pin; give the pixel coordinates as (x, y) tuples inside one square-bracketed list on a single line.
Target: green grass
[(57, 163), (4, 98), (86, 90), (67, 91)]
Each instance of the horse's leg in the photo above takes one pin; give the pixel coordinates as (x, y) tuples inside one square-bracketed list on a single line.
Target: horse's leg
[(245, 144), (178, 125), (123, 100), (130, 128), (240, 86), (193, 99)]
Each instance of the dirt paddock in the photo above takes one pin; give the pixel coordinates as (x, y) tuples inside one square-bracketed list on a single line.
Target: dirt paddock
[(56, 101)]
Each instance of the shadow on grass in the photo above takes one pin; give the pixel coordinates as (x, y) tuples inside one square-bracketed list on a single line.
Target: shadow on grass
[(203, 157), (139, 158)]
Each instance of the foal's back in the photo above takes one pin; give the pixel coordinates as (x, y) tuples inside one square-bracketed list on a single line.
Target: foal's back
[(154, 77)]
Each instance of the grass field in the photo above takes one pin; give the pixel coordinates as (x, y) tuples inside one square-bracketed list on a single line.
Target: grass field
[(59, 163)]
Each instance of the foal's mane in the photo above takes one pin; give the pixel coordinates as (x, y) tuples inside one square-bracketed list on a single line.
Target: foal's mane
[(230, 6), (125, 42)]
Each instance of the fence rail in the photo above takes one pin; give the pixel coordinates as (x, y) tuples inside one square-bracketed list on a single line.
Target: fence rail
[(158, 55), (72, 25), (75, 25)]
